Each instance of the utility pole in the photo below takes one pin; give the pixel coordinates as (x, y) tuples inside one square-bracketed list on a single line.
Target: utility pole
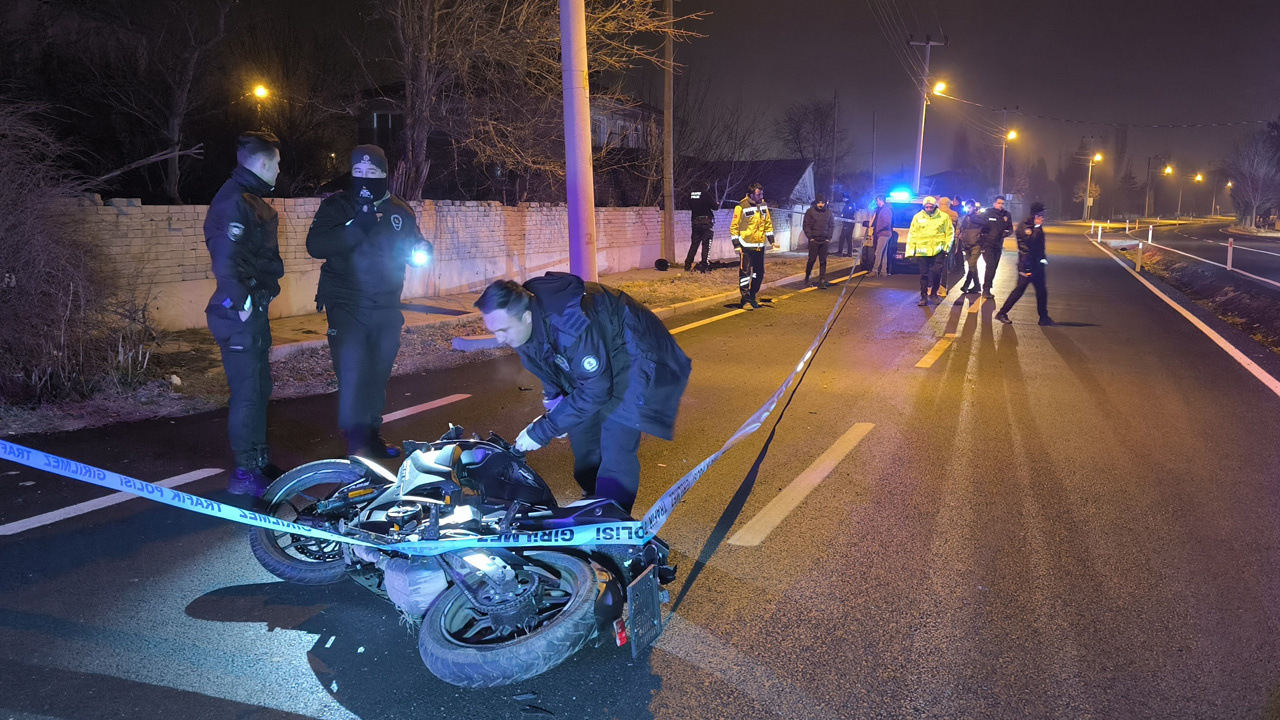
[(668, 145), (928, 45), (1004, 144), (835, 124), (580, 191), (873, 151)]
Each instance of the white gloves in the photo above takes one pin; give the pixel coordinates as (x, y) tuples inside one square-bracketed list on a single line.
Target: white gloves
[(550, 403), (524, 443)]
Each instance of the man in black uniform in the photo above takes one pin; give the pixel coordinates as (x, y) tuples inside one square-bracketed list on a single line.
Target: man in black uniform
[(240, 233), (609, 371), (702, 219), (997, 225), (1032, 261), (847, 216), (970, 231), (365, 235)]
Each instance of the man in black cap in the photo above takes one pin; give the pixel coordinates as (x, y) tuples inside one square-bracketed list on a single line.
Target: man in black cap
[(240, 233), (1031, 267), (702, 220), (365, 235), (818, 226)]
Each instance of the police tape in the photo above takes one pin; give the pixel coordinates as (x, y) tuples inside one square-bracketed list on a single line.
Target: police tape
[(661, 510), (168, 496), (613, 533)]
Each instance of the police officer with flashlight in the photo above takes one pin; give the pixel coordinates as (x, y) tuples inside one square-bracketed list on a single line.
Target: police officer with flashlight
[(366, 236)]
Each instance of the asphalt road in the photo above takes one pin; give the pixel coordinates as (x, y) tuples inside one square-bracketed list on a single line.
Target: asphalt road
[(1075, 521), (1254, 255)]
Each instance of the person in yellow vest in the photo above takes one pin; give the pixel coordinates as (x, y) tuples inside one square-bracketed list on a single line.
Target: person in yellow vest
[(928, 239), (751, 230)]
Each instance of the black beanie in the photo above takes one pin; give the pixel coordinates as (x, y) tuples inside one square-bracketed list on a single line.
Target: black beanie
[(1037, 208), (371, 154), (821, 198)]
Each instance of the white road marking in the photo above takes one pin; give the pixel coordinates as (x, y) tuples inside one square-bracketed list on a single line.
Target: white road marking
[(1272, 384), (792, 495), (731, 313), (53, 516), (423, 407)]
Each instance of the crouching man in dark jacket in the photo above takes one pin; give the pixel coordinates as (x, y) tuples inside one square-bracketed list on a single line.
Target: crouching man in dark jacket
[(365, 236), (609, 371)]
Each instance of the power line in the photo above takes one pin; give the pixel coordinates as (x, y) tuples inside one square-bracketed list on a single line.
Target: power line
[(1165, 126)]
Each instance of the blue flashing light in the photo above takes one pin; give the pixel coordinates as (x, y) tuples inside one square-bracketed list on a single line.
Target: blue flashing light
[(900, 194)]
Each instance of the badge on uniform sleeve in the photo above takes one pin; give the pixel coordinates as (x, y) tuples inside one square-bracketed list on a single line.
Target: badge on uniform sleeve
[(235, 231), (396, 222), (590, 363)]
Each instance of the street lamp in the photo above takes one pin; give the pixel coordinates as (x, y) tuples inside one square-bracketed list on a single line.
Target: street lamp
[(260, 93), (1088, 183), (1198, 178), (1011, 135), (924, 107), (1213, 206)]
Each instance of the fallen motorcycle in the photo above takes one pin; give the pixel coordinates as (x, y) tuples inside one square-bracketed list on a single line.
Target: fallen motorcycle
[(515, 599)]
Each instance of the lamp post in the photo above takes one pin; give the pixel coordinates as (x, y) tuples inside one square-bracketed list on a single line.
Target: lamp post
[(1088, 183), (1009, 135), (260, 93), (1214, 208), (1198, 178), (924, 107)]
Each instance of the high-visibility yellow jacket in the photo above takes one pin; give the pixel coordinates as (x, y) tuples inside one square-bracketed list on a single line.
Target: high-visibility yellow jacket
[(929, 234), (752, 225)]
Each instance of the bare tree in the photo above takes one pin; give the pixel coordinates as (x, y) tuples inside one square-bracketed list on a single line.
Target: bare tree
[(1254, 169), (487, 76), (807, 130), (152, 68), (718, 141), (1078, 193)]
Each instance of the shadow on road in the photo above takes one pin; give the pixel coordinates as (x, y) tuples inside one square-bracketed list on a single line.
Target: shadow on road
[(367, 659)]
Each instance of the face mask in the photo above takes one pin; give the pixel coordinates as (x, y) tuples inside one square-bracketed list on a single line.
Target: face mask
[(368, 189)]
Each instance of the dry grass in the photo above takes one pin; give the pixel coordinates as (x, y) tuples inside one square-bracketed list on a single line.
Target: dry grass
[(682, 287), (1251, 308)]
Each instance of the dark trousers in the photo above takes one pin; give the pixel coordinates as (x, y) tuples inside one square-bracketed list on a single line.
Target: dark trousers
[(846, 239), (1035, 277), (992, 257), (363, 344), (750, 272), (931, 267), (245, 348), (971, 255), (700, 237), (606, 459), (818, 252)]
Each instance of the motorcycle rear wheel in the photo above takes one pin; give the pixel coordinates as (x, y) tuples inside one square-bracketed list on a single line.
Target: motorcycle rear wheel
[(296, 558), (459, 647)]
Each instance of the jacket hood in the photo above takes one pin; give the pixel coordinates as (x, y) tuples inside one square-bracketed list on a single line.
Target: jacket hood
[(556, 291)]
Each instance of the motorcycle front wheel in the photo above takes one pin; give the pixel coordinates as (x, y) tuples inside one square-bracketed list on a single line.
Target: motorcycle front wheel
[(460, 645), (297, 558)]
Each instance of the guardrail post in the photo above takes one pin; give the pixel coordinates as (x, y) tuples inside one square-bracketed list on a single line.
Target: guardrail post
[(1231, 246), (1138, 262), (1149, 229), (1099, 234), (1091, 224)]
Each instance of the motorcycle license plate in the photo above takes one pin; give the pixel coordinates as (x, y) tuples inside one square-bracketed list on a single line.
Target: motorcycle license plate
[(644, 611)]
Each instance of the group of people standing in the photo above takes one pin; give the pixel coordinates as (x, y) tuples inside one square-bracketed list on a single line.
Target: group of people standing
[(934, 233), (366, 236)]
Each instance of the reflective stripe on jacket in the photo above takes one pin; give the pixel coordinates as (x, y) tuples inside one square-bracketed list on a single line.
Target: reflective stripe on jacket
[(752, 225), (929, 234)]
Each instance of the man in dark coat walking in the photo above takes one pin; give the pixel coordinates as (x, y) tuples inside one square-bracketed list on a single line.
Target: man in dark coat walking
[(702, 221), (609, 371), (997, 225), (818, 226), (366, 236), (240, 233), (1032, 262)]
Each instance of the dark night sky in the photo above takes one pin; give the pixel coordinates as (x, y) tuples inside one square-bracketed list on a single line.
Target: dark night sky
[(1131, 61)]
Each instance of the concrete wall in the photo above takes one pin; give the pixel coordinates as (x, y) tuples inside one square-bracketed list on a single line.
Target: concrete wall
[(161, 248)]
